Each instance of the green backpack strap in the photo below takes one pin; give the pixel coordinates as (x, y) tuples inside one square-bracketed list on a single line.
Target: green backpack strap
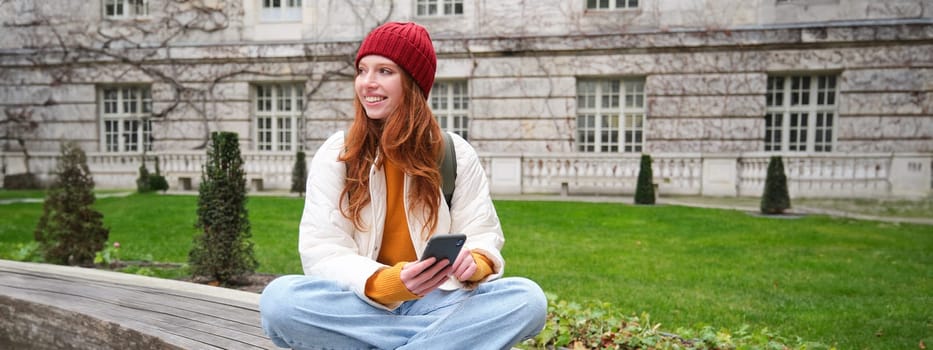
[(449, 168)]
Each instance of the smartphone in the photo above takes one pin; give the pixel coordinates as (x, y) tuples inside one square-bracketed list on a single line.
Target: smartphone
[(444, 247)]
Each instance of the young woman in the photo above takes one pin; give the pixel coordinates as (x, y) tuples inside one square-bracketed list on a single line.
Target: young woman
[(373, 201)]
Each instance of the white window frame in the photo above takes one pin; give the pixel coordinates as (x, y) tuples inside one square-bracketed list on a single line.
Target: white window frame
[(611, 115), (123, 9), (125, 124), (277, 110), (607, 5), (437, 8), (450, 102), (801, 113), (280, 11)]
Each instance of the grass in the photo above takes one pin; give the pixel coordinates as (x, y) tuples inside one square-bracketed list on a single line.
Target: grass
[(861, 285), (902, 208), (4, 194), (856, 284)]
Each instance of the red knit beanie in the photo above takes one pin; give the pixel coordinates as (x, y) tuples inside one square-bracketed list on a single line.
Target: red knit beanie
[(408, 45)]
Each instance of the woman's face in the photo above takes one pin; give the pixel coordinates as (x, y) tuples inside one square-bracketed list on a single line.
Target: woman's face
[(378, 86)]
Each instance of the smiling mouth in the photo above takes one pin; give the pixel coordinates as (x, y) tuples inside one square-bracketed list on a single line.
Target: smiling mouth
[(374, 99)]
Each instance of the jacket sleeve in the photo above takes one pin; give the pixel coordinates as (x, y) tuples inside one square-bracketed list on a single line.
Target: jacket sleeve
[(472, 211), (327, 241)]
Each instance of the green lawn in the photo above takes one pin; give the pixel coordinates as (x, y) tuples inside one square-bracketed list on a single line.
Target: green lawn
[(856, 284), (4, 194)]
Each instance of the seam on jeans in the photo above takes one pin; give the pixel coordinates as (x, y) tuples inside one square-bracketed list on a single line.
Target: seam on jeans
[(460, 304)]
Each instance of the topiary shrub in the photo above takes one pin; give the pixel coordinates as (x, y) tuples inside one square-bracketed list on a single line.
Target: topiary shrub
[(775, 199), (70, 231), (157, 182), (644, 190), (142, 181), (223, 251), (299, 174)]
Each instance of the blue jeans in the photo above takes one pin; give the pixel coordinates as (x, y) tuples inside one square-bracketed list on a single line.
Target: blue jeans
[(304, 312)]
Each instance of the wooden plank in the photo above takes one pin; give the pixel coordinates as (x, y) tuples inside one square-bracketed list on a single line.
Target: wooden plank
[(152, 299), (86, 274), (186, 318), (120, 307)]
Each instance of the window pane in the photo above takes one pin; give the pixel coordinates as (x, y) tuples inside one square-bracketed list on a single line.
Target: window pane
[(125, 112), (129, 100), (450, 102), (634, 126), (586, 95), (111, 97), (773, 132), (146, 100), (264, 134), (110, 8), (808, 96), (278, 112), (442, 121), (284, 98), (826, 90), (111, 135), (147, 134), (130, 135), (620, 123), (263, 99), (427, 7), (285, 134), (798, 132), (139, 7), (586, 133), (824, 134), (299, 97), (634, 94), (610, 94)]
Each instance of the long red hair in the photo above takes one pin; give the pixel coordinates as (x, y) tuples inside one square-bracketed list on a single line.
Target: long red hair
[(411, 138)]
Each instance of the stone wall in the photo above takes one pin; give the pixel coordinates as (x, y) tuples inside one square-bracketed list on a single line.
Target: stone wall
[(700, 97), (705, 69)]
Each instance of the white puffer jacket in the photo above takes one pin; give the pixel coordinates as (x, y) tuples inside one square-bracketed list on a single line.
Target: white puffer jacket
[(331, 248)]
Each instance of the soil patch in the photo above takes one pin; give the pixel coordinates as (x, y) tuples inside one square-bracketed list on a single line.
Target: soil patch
[(254, 282)]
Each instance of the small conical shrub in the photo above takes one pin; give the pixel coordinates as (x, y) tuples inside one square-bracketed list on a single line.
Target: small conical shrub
[(70, 231), (644, 190), (299, 174), (223, 251), (775, 199), (143, 181)]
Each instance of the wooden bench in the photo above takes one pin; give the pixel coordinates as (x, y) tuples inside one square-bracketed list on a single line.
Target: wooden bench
[(46, 306)]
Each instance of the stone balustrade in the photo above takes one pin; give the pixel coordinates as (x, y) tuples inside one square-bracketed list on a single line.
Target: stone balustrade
[(818, 175), (182, 170), (739, 174)]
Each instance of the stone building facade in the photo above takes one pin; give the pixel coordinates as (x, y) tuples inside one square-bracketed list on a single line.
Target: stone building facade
[(557, 96)]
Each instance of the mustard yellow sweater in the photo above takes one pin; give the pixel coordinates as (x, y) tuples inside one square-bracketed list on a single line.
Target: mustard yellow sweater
[(385, 286)]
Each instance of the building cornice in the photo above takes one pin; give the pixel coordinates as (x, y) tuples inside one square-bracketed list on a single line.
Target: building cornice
[(806, 35)]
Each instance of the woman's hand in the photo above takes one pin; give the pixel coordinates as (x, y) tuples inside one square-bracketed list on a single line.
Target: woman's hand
[(465, 266), (423, 277)]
